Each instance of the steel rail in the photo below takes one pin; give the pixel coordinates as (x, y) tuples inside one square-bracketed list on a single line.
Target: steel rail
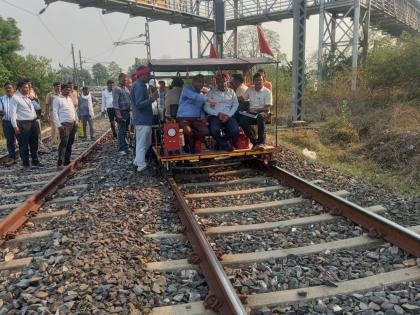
[(376, 225), (14, 220), (222, 296)]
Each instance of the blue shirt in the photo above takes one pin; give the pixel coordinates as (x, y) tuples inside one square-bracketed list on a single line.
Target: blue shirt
[(141, 105), (191, 103)]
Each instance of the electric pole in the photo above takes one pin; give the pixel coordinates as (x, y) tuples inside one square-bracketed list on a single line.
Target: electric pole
[(74, 66), (81, 68)]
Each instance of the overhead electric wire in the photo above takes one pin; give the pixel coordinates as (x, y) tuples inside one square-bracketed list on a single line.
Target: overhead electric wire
[(106, 27), (51, 33), (121, 35), (41, 21), (18, 7)]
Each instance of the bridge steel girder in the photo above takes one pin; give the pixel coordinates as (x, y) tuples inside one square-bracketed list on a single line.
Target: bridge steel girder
[(341, 35), (298, 63)]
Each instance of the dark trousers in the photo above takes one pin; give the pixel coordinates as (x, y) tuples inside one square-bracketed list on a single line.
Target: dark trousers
[(230, 130), (111, 117), (67, 135), (246, 125), (9, 134), (123, 125), (193, 128), (28, 140)]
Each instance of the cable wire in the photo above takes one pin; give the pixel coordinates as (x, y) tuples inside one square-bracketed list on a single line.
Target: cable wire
[(106, 27), (41, 21)]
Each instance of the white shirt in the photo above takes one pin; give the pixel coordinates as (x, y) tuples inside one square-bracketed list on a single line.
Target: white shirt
[(5, 106), (227, 102), (21, 108), (106, 100), (258, 99), (63, 110), (241, 90)]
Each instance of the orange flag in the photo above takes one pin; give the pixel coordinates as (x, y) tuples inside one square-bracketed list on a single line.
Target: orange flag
[(264, 47)]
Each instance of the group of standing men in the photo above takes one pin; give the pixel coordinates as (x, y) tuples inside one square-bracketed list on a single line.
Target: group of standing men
[(21, 113), (138, 100)]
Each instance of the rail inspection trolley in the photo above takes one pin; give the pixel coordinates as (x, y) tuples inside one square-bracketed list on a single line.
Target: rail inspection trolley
[(167, 137)]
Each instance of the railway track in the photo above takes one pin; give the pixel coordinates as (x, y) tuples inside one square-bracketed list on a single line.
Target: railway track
[(31, 198), (265, 238)]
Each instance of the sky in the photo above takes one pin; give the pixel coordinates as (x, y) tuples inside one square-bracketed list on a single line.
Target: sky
[(52, 33)]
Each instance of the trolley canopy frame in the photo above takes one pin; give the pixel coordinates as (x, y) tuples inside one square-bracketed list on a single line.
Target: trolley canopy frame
[(207, 64)]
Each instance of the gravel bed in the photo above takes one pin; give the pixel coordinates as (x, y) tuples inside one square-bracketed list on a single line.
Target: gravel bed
[(219, 178), (325, 268), (95, 262), (397, 299), (405, 211), (303, 209), (287, 237), (240, 186), (239, 200)]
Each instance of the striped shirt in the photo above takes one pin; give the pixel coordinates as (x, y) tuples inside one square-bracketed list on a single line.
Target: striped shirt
[(121, 98), (5, 106)]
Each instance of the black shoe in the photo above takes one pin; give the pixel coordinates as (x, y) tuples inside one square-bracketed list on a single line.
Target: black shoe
[(37, 164), (26, 167), (229, 147), (67, 163)]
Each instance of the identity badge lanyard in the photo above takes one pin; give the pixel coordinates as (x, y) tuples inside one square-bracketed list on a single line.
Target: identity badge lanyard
[(28, 103)]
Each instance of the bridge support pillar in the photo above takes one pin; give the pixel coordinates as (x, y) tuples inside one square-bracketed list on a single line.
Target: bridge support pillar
[(341, 35), (298, 65)]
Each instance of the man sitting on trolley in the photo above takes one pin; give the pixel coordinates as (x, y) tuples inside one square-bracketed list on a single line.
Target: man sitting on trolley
[(222, 123), (190, 114), (260, 100)]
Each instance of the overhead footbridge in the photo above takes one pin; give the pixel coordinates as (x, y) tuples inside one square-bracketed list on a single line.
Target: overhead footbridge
[(391, 16), (187, 13), (343, 26)]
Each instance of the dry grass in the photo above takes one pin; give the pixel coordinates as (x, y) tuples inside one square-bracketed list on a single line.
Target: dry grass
[(351, 160), (373, 134)]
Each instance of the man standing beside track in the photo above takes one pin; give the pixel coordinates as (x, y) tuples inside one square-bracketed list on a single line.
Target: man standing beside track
[(24, 121), (8, 131), (65, 119), (222, 115), (142, 115), (107, 106), (49, 109), (122, 102)]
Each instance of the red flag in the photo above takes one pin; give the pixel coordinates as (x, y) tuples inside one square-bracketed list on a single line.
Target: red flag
[(264, 47), (213, 52)]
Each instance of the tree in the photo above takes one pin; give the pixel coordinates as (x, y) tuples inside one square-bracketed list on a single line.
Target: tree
[(9, 38), (86, 78), (38, 68), (65, 74), (114, 70), (100, 73), (248, 43)]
